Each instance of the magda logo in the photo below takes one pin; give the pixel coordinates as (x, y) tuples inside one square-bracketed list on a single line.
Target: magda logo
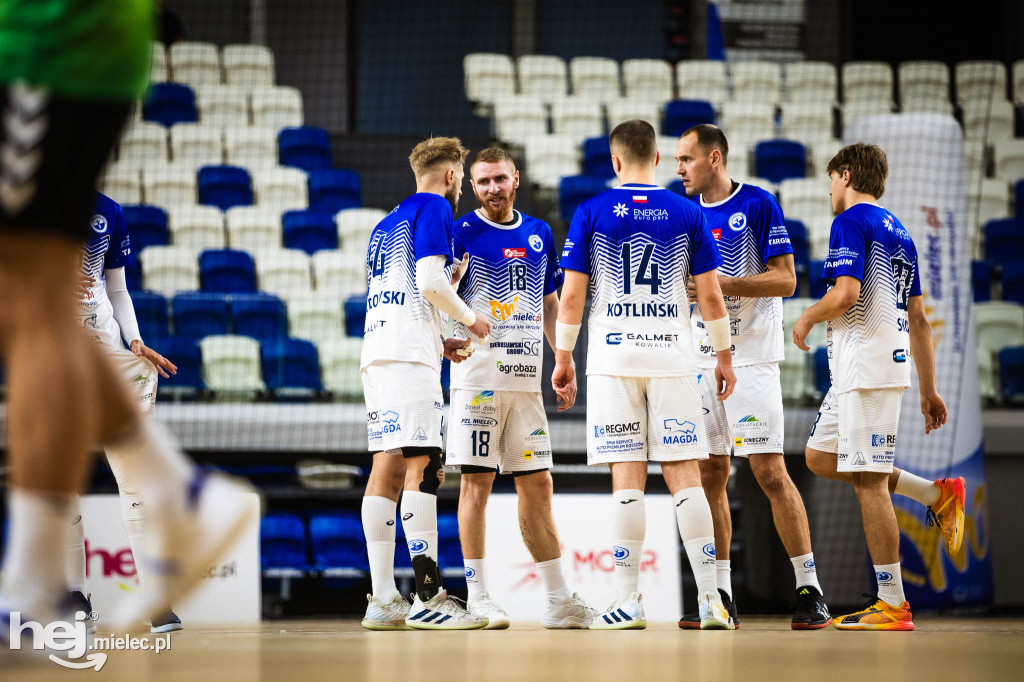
[(503, 311)]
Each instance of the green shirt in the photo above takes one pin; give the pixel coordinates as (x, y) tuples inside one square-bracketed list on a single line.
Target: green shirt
[(94, 49)]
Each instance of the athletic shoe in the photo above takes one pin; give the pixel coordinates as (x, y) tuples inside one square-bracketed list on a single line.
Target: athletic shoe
[(713, 614), (691, 621), (627, 614), (186, 544), (167, 621), (809, 610), (442, 612), (877, 615), (81, 602), (390, 616), (948, 512), (482, 605), (571, 614)]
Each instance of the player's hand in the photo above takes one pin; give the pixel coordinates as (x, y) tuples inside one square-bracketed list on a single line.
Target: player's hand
[(85, 283), (460, 269), (691, 289), (933, 407), (453, 346), (800, 331), (725, 380), (163, 365), (566, 392), (481, 328)]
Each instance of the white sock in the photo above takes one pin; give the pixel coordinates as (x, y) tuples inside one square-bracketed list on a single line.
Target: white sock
[(916, 488), (806, 572), (697, 530), (723, 570), (554, 580), (474, 578), (33, 568), (75, 568), (151, 459), (379, 528), (629, 526), (419, 519), (133, 516), (890, 584)]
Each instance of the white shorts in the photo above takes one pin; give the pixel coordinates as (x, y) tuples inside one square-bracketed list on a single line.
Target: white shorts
[(639, 419), (750, 421), (859, 426), (404, 406), (507, 430), (139, 373)]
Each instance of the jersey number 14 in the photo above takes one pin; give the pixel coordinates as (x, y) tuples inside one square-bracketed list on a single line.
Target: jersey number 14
[(641, 277)]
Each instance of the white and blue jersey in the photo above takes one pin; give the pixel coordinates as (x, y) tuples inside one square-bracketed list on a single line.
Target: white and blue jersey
[(109, 248), (401, 324), (511, 269), (638, 244), (869, 345), (749, 229)]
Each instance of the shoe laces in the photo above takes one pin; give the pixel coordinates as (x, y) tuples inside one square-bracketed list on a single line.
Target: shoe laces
[(932, 517), (871, 600), (452, 606)]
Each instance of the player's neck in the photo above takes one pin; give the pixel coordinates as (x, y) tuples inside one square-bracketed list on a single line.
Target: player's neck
[(853, 197), (430, 187), (719, 190), (636, 176), (503, 219)]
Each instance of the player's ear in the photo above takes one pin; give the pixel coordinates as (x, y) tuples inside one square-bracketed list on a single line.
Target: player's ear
[(657, 157)]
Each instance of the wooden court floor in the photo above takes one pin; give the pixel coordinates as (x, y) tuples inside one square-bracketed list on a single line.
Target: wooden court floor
[(942, 649)]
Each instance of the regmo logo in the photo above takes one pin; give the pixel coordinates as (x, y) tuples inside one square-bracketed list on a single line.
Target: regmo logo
[(417, 546), (709, 549), (619, 553)]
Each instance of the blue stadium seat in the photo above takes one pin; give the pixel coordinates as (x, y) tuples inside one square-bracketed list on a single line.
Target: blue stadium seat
[(574, 190), (1013, 282), (817, 286), (1018, 199), (226, 271), (184, 352), (683, 114), (332, 189), (981, 280), (778, 160), (151, 313), (283, 546), (798, 238), (307, 148), (822, 380), (597, 158), (449, 549), (147, 225), (225, 186), (310, 231), (133, 274), (170, 103), (1004, 241), (1011, 372), (338, 543), (355, 315), (197, 315), (261, 316), (291, 367)]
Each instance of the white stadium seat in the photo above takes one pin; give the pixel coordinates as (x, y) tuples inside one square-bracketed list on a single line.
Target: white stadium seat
[(854, 110), (595, 77), (821, 151), (931, 105), (169, 269), (158, 71), (194, 145), (283, 187), (122, 182), (756, 82), (279, 106), (284, 272), (223, 105), (488, 76), (989, 120), (143, 141), (814, 81), (316, 317), (196, 227), (194, 62), (665, 171), (231, 364), (647, 79), (985, 201), (804, 197), (545, 77), (1018, 82), (867, 80), (355, 226), (807, 119), (1009, 158), (549, 158), (340, 273), (625, 109), (1000, 324), (700, 79), (752, 121), (923, 80), (251, 147), (980, 79), (251, 228), (975, 157), (519, 117), (168, 185), (339, 366), (577, 117), (248, 65)]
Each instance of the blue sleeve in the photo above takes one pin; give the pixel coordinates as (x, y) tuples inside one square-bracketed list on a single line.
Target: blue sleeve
[(576, 252), (704, 255), (119, 253), (432, 233), (553, 277), (847, 249), (915, 284), (773, 238)]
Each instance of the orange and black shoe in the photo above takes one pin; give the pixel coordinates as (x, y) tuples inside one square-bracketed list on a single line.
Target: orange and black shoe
[(877, 615), (948, 512)]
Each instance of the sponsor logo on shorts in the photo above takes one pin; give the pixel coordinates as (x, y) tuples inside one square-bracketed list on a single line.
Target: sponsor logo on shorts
[(679, 433), (514, 253), (749, 419), (879, 440), (539, 432), (899, 355), (417, 546), (482, 397), (883, 576), (536, 243), (858, 459), (390, 416), (479, 421), (419, 435), (372, 416), (622, 429), (619, 553), (527, 454), (750, 440), (709, 549), (519, 370)]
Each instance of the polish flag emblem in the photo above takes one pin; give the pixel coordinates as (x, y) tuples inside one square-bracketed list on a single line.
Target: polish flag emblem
[(639, 199)]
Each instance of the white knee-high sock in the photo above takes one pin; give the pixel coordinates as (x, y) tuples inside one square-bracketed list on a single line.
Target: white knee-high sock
[(697, 530), (151, 460), (629, 526), (723, 569), (33, 567), (75, 568), (133, 509), (379, 528), (419, 518)]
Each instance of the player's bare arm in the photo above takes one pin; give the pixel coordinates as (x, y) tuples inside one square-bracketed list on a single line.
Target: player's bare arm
[(833, 304), (570, 316), (712, 308), (567, 395), (933, 407), (778, 280)]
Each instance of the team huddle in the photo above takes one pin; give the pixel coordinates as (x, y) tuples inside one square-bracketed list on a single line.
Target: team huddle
[(684, 340)]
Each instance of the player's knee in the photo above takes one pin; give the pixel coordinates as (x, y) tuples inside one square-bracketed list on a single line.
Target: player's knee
[(820, 463), (714, 473), (536, 485), (431, 475), (475, 487), (870, 483)]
